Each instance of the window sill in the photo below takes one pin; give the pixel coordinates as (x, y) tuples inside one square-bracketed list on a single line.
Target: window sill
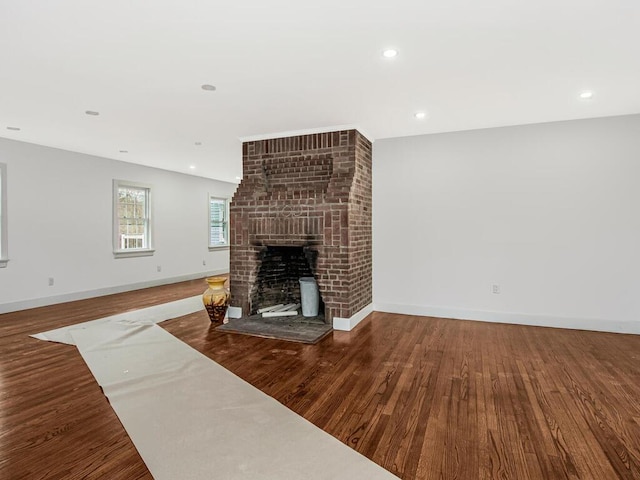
[(3, 262), (147, 252), (218, 247)]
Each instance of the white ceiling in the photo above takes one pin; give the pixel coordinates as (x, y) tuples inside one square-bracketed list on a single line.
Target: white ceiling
[(289, 65)]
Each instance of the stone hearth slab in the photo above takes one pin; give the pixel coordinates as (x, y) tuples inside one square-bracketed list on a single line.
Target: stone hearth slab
[(294, 329)]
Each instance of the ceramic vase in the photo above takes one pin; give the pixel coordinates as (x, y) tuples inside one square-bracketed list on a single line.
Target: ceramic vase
[(216, 299)]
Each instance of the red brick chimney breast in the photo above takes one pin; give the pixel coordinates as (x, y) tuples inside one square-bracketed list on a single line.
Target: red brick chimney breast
[(311, 191)]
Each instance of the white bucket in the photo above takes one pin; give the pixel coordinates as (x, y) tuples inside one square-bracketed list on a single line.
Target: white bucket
[(309, 296)]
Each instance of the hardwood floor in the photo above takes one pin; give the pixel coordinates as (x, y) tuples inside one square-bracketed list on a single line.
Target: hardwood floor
[(425, 398)]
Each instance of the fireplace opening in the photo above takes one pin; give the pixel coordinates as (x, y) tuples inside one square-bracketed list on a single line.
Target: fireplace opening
[(277, 279)]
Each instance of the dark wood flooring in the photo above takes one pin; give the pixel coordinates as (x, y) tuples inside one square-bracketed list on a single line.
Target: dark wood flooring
[(425, 398)]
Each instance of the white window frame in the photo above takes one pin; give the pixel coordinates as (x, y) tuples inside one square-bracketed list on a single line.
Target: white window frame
[(226, 201), (4, 253), (119, 250)]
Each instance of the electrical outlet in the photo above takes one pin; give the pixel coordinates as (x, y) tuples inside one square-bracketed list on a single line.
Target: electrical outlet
[(51, 281), (159, 267), (495, 288)]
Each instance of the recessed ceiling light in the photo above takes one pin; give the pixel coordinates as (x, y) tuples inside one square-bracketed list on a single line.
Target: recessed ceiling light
[(390, 53), (15, 129), (192, 167), (420, 115), (586, 95), (92, 112), (238, 178), (198, 143), (209, 88), (124, 151)]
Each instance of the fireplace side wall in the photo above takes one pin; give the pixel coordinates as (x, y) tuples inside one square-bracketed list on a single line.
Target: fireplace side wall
[(360, 230)]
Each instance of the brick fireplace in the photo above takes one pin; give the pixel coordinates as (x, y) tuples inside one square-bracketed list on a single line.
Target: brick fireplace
[(311, 193)]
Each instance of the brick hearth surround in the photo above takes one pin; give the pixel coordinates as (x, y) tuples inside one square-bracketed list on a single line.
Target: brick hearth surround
[(311, 191)]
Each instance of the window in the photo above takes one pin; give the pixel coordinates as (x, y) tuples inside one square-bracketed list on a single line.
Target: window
[(218, 222), (3, 215), (131, 219)]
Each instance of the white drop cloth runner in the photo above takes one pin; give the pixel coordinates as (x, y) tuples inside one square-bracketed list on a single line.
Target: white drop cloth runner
[(192, 419), (155, 314)]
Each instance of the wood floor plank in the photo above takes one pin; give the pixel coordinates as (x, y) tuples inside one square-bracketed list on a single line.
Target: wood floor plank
[(426, 398)]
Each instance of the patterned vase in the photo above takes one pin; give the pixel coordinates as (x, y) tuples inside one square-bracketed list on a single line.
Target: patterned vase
[(216, 299)]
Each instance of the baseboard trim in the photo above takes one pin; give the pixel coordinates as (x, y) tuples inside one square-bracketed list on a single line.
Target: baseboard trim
[(348, 324), (593, 324), (100, 292)]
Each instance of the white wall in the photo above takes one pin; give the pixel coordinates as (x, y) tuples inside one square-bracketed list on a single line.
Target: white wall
[(549, 212), (60, 226)]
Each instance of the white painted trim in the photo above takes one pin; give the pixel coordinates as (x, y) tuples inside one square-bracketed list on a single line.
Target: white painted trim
[(308, 131), (70, 297), (4, 237), (594, 324), (141, 252), (348, 324)]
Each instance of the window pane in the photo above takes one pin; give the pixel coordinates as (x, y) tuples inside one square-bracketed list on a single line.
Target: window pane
[(133, 218), (218, 223), (3, 231), (1, 205)]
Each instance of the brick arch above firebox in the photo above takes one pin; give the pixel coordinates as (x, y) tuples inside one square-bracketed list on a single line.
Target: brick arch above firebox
[(297, 173)]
